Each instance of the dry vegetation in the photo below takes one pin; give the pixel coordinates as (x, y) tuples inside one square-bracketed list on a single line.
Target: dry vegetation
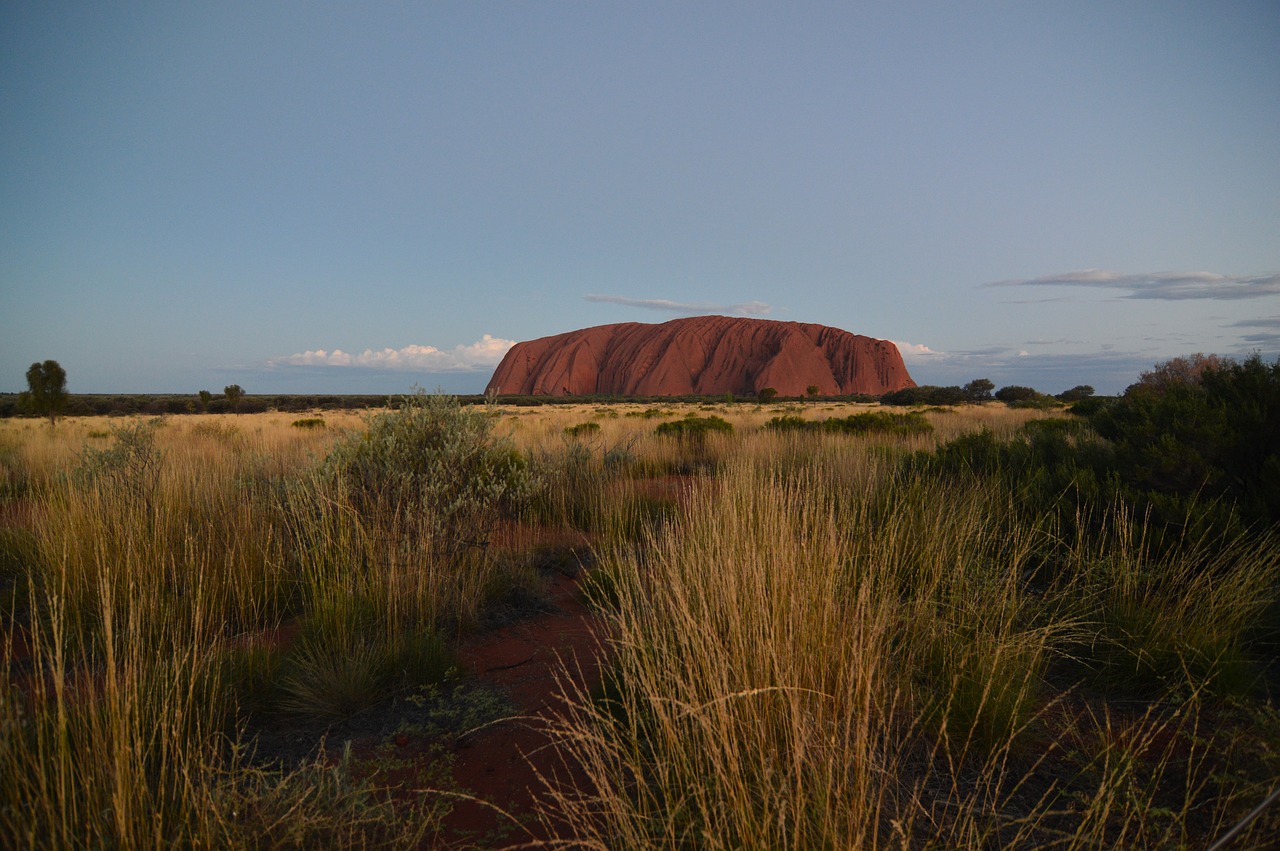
[(813, 642)]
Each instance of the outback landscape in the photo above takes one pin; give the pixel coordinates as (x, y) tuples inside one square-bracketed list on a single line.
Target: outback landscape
[(642, 426), (800, 623)]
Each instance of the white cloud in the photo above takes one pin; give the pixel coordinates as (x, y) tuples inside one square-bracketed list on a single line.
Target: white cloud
[(1172, 286), (485, 353), (916, 351), (746, 308)]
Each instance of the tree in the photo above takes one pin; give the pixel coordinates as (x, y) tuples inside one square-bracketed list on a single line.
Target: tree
[(1182, 370), (979, 390), (46, 393), (766, 395), (812, 391), (233, 392), (1016, 393), (205, 398), (1075, 394)]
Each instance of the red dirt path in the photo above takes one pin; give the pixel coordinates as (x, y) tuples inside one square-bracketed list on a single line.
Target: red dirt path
[(501, 764)]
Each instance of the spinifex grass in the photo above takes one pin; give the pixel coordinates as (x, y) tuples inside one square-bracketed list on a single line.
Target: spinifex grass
[(812, 646), (865, 658), (158, 557)]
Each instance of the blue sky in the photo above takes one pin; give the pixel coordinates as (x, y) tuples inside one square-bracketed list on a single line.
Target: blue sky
[(315, 197)]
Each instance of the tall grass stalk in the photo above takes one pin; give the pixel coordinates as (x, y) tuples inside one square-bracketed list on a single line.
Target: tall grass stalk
[(860, 657)]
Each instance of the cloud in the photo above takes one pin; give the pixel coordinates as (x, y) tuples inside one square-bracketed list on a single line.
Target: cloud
[(1170, 286), (483, 354), (1272, 322), (916, 351), (746, 308)]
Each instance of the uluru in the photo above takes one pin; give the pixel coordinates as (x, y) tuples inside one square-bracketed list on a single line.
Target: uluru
[(702, 355)]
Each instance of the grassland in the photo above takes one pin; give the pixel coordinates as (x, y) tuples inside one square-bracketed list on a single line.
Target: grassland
[(826, 637)]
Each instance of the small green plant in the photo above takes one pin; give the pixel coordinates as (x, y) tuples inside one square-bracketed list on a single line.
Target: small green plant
[(131, 464), (436, 459), (871, 422), (695, 427), (583, 429), (309, 423)]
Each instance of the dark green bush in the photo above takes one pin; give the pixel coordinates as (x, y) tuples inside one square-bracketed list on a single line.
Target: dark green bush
[(1075, 394), (1211, 436), (926, 395), (1015, 393), (870, 422), (695, 427), (582, 429)]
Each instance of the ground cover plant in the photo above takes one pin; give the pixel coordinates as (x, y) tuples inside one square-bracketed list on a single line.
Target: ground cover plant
[(968, 626)]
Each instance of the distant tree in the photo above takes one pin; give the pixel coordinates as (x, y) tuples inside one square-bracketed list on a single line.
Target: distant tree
[(46, 393), (766, 395), (1182, 370), (813, 391), (979, 390), (925, 395), (205, 398), (1075, 394), (1014, 393), (234, 393)]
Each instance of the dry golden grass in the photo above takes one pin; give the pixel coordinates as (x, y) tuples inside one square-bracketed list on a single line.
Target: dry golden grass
[(811, 647)]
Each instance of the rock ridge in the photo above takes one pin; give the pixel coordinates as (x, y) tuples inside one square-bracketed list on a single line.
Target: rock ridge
[(702, 355)]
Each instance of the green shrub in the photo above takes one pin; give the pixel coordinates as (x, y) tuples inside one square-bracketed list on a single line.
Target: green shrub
[(1075, 394), (582, 429), (695, 427), (130, 465), (870, 422), (926, 395), (309, 422), (1016, 393), (1211, 435), (434, 458)]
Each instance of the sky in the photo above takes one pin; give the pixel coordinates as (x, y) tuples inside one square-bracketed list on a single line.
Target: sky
[(362, 198)]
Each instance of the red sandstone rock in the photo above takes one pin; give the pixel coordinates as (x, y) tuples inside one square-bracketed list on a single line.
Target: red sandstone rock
[(702, 355)]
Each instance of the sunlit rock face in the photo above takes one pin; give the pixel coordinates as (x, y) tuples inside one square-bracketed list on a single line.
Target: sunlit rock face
[(702, 355)]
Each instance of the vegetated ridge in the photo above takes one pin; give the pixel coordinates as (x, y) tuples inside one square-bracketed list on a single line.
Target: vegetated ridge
[(704, 355)]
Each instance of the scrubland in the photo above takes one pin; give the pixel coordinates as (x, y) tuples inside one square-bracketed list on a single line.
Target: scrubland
[(877, 634)]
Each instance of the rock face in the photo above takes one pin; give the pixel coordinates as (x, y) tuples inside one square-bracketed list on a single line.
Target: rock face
[(702, 355)]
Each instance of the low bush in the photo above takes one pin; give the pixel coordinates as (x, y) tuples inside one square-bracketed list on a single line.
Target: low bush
[(871, 422), (695, 427), (1204, 435), (583, 429), (437, 459)]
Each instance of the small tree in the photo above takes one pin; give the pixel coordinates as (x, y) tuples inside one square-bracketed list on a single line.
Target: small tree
[(1016, 393), (234, 393), (813, 391), (766, 395), (46, 393), (1075, 394), (979, 390), (205, 398)]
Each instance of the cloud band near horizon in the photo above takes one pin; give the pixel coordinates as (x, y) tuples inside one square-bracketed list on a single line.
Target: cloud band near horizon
[(1170, 286), (485, 353), (746, 308)]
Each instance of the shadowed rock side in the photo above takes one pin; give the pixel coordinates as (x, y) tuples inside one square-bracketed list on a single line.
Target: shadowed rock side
[(703, 355)]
